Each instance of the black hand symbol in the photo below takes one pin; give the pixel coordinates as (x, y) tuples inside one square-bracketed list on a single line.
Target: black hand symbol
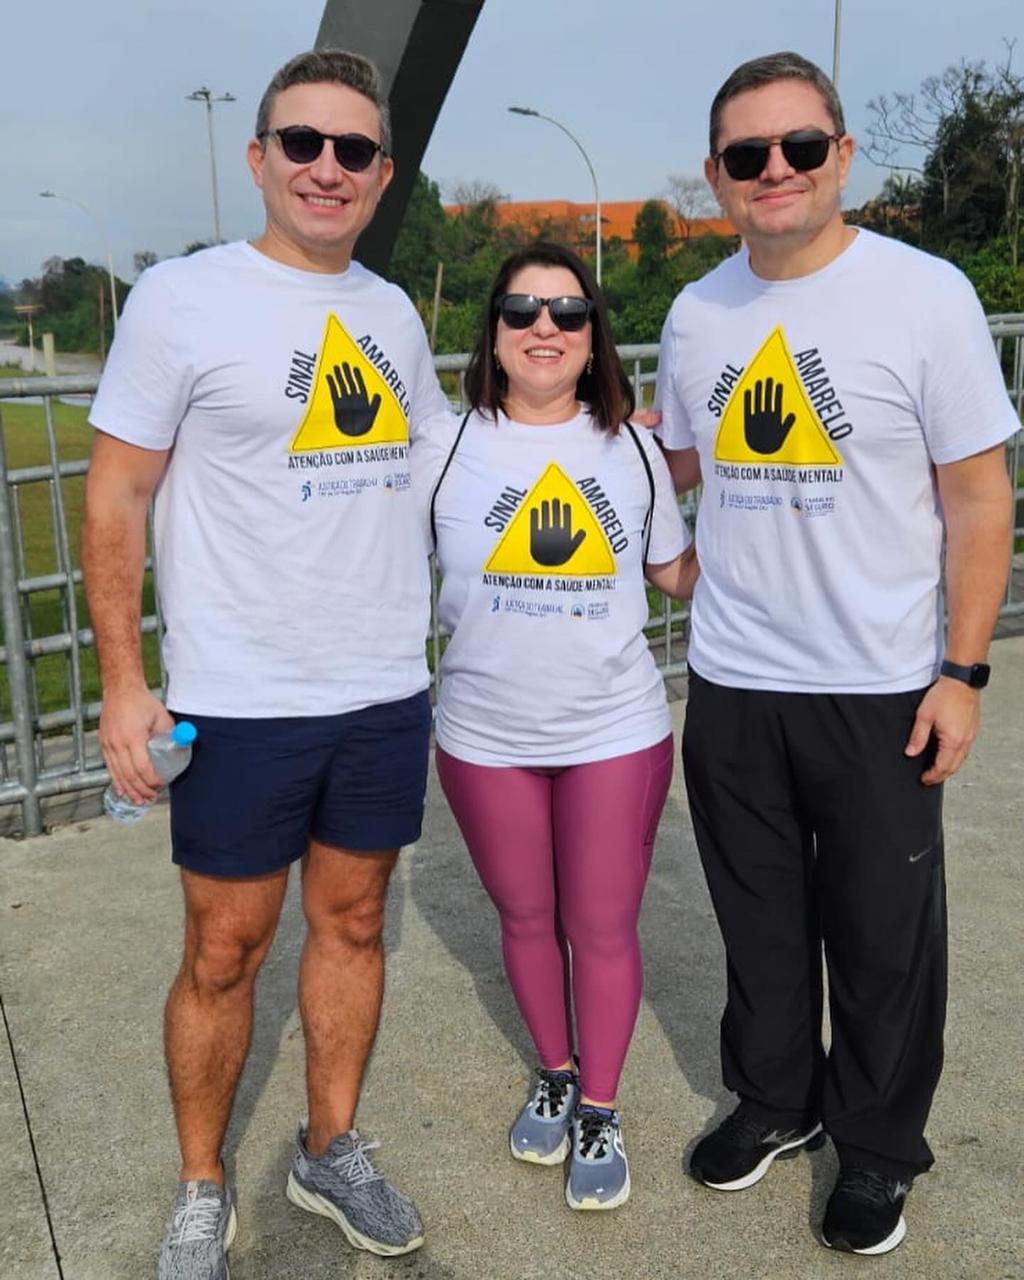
[(551, 537), (354, 411), (762, 417)]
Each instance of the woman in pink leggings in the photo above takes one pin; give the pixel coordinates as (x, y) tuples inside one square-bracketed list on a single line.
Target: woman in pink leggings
[(547, 510)]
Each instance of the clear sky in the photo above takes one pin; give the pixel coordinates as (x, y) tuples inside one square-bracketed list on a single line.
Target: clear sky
[(93, 100)]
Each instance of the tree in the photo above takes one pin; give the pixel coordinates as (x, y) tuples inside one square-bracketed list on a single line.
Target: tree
[(74, 296), (652, 233), (9, 322), (913, 122), (475, 191), (418, 248), (963, 135), (691, 200), (143, 260)]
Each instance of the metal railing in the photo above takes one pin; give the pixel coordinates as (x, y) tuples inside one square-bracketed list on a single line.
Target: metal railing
[(48, 744)]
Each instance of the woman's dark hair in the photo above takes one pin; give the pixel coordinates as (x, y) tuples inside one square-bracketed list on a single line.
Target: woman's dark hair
[(605, 389)]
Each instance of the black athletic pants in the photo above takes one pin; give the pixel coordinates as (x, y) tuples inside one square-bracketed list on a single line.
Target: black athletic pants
[(814, 827)]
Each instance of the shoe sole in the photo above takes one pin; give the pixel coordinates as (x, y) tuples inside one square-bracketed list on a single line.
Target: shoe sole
[(313, 1203), (229, 1236), (588, 1202), (531, 1157), (811, 1142), (884, 1246)]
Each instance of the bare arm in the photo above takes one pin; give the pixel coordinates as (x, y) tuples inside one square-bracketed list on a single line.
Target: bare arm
[(118, 488), (678, 577), (977, 504), (684, 467)]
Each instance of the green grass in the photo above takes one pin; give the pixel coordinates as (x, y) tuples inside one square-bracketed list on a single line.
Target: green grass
[(45, 613)]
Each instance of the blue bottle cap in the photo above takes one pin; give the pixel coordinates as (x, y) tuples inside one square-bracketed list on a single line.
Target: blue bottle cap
[(184, 733)]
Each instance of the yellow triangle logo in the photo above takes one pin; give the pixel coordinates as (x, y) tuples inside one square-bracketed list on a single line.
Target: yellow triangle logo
[(554, 532), (770, 418), (351, 405)]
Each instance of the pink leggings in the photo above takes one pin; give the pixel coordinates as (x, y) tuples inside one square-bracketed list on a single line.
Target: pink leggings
[(564, 854)]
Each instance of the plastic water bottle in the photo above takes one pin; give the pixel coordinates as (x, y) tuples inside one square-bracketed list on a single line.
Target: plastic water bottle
[(170, 753)]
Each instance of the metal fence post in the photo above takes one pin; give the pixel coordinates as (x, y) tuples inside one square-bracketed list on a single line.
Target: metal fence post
[(17, 667)]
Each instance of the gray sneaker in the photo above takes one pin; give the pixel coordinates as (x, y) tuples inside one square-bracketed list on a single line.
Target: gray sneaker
[(199, 1234), (344, 1186), (598, 1170), (541, 1131)]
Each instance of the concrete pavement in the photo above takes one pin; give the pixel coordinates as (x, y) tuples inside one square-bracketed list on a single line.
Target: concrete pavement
[(89, 939)]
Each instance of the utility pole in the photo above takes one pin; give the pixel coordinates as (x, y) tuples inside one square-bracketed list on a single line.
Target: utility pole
[(206, 95)]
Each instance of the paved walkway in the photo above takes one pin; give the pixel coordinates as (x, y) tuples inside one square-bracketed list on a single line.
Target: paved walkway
[(89, 934)]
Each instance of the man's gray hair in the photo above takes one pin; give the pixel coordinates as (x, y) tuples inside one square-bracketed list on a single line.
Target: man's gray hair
[(768, 70), (329, 66)]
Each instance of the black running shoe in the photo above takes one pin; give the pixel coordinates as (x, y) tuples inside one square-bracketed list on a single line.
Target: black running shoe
[(865, 1212), (740, 1151)]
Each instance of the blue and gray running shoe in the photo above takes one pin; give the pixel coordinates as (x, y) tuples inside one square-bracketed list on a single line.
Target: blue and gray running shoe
[(598, 1169), (343, 1185), (541, 1131), (199, 1234)]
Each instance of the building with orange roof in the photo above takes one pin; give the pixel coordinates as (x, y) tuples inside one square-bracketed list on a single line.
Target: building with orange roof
[(618, 218)]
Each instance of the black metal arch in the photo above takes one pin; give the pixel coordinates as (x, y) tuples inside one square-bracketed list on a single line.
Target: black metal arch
[(417, 44)]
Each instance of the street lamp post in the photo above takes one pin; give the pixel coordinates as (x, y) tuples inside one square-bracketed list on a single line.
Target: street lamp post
[(837, 23), (529, 111), (207, 96), (53, 195)]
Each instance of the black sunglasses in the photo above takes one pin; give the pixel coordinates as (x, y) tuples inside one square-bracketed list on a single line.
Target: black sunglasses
[(520, 310), (804, 149), (303, 144)]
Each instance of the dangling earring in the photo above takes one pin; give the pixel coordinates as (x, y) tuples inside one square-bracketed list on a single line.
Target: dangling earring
[(590, 364), (497, 361)]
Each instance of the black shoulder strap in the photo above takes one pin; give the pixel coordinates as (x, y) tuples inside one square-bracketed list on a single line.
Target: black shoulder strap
[(444, 472), (649, 519)]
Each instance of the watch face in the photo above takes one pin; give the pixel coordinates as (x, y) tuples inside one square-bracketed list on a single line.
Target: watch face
[(979, 675)]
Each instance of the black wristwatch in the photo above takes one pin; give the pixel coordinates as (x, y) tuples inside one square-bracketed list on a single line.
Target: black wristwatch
[(975, 675)]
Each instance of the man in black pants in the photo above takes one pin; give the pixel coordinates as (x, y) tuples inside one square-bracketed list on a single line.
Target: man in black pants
[(839, 395)]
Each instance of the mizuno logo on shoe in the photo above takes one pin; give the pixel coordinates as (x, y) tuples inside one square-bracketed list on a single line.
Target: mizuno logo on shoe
[(777, 1139)]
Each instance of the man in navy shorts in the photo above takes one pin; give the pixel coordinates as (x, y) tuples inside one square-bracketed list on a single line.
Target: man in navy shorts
[(264, 393)]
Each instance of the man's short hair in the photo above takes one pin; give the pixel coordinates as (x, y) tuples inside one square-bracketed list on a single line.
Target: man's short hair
[(773, 67), (329, 66)]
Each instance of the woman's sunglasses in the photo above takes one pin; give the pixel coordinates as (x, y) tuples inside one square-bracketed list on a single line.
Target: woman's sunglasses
[(520, 310), (804, 149), (303, 144)]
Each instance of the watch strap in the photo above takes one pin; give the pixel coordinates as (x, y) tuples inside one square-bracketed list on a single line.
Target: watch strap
[(976, 675)]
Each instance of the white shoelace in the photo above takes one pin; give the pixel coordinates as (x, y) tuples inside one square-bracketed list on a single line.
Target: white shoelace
[(197, 1220), (355, 1165)]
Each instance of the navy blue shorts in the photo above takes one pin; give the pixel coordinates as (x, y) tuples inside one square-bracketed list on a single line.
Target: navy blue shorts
[(258, 790)]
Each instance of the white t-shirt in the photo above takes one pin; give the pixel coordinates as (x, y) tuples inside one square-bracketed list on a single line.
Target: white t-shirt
[(290, 562), (819, 406), (540, 540)]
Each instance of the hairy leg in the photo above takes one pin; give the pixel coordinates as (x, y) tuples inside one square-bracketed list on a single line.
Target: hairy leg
[(341, 980), (229, 925)]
